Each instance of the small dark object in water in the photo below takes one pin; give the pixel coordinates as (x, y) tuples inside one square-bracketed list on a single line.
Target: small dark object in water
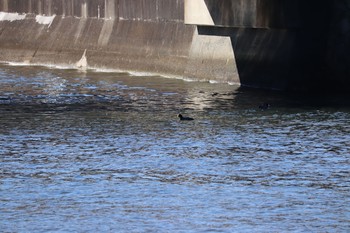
[(182, 118), (264, 106)]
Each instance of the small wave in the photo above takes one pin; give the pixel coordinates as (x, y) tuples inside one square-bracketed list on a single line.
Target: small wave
[(18, 63), (115, 70)]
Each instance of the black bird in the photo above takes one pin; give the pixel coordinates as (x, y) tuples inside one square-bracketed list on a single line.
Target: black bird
[(182, 118), (264, 106)]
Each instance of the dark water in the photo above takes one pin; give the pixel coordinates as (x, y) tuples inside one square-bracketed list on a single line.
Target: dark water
[(105, 152)]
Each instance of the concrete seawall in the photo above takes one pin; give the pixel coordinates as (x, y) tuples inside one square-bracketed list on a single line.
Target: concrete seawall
[(282, 44), (274, 44), (130, 35)]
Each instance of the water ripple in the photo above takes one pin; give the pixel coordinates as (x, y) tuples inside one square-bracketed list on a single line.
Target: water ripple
[(105, 152)]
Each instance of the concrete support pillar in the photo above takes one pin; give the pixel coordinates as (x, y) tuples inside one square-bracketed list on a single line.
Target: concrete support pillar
[(69, 8), (110, 9), (48, 8), (5, 5), (40, 7), (30, 8), (84, 9), (64, 13)]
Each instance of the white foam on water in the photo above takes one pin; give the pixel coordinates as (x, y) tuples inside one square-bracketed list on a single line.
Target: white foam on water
[(51, 66), (108, 70), (234, 83), (80, 65), (142, 74), (5, 16), (18, 63), (169, 76), (56, 66), (46, 20)]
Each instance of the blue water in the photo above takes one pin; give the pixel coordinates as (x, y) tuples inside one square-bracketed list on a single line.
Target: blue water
[(105, 152)]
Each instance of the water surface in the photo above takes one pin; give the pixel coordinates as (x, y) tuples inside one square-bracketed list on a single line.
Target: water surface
[(104, 152)]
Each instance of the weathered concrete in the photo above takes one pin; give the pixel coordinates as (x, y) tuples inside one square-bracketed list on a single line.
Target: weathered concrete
[(338, 59), (135, 35), (282, 44), (276, 44)]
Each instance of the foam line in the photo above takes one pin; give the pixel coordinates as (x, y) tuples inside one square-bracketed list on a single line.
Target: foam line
[(111, 70)]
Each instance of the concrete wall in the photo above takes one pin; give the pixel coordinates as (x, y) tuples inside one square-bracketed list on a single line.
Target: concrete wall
[(281, 44), (275, 44), (135, 35), (246, 13), (125, 9), (338, 58)]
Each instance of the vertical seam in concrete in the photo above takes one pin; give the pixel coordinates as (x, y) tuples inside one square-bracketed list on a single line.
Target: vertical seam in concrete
[(1, 31), (36, 50)]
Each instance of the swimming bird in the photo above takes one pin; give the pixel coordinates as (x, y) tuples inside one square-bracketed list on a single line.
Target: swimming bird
[(264, 106), (182, 118)]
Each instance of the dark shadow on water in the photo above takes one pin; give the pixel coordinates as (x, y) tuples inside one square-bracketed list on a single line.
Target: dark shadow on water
[(290, 99), (245, 97)]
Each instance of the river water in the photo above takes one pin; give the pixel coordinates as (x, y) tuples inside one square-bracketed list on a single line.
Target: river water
[(105, 152)]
